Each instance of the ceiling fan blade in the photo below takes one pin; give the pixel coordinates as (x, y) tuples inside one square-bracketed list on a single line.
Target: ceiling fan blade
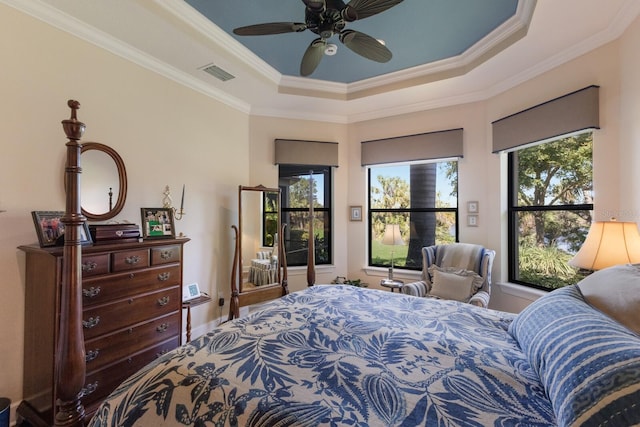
[(315, 5), (270, 28), (365, 45), (360, 9), (312, 57)]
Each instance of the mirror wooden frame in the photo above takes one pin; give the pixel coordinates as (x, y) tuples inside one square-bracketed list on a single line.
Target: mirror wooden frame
[(122, 182), (240, 295)]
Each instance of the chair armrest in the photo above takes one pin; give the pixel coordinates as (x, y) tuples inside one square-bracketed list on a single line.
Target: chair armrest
[(481, 299), (417, 289)]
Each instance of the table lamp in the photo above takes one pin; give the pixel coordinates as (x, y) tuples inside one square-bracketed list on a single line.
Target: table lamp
[(608, 243), (392, 237)]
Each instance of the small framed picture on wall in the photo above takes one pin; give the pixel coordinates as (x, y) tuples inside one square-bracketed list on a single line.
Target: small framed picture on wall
[(473, 207)]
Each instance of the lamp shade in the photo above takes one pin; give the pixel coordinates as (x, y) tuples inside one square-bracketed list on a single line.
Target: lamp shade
[(608, 243), (392, 235)]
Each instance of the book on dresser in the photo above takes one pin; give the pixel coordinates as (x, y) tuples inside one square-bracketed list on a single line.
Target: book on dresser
[(131, 305)]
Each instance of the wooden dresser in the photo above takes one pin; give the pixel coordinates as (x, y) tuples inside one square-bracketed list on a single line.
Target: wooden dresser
[(132, 300)]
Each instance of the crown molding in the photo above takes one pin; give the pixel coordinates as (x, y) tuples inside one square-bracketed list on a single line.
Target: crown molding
[(62, 21)]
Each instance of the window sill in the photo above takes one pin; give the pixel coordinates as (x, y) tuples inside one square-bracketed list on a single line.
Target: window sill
[(398, 273), (301, 270), (520, 291)]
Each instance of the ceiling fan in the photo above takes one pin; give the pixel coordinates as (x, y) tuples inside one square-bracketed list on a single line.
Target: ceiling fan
[(326, 18)]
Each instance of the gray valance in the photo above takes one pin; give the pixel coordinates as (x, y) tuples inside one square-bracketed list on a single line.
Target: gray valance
[(297, 152), (570, 113), (424, 146)]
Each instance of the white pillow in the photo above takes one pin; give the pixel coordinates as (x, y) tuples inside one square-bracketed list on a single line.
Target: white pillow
[(454, 283), (615, 291)]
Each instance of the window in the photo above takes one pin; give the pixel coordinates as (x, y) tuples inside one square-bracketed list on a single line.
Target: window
[(550, 205), (295, 182), (422, 198)]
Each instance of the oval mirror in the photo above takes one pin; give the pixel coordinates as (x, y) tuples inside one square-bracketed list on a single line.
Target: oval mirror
[(104, 182)]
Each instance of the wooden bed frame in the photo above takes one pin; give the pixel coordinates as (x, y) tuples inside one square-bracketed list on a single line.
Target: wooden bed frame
[(70, 375)]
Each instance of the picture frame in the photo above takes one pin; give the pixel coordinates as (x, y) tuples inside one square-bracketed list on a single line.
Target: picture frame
[(50, 229), (190, 292), (355, 213), (157, 223), (473, 207), (472, 220)]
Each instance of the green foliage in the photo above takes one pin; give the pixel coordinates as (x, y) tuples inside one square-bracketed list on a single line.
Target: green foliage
[(557, 173), (547, 267)]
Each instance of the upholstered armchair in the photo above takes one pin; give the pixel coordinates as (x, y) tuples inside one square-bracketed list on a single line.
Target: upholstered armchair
[(458, 271)]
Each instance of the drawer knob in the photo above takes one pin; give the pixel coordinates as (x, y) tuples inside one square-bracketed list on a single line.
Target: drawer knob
[(166, 254), (89, 265), (91, 355), (91, 292), (131, 275), (162, 353), (163, 327), (132, 260), (92, 322), (163, 277), (88, 389), (164, 301)]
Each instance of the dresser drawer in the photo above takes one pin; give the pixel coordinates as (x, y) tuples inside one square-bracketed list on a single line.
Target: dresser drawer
[(97, 320), (108, 348), (101, 290), (99, 384), (165, 254), (93, 265), (130, 260)]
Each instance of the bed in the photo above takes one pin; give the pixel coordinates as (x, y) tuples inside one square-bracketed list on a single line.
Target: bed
[(339, 355), (343, 355)]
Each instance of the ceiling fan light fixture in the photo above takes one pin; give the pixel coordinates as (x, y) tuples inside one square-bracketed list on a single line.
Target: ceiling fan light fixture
[(330, 49)]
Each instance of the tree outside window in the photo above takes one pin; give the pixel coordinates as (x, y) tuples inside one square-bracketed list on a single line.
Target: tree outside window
[(550, 203), (422, 198)]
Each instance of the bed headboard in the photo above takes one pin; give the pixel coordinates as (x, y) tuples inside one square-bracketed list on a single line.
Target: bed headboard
[(70, 374)]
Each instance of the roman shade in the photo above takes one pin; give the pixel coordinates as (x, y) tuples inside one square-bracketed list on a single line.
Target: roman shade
[(297, 152), (424, 146), (570, 113)]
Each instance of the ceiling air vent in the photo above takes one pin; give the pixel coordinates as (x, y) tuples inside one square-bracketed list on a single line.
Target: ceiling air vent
[(217, 72)]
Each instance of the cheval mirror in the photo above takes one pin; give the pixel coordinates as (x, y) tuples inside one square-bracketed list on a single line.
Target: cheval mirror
[(259, 271)]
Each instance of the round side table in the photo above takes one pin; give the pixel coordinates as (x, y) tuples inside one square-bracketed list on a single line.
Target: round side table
[(392, 284)]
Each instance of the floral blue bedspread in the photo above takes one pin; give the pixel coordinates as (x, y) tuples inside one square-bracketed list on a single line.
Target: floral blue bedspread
[(341, 355)]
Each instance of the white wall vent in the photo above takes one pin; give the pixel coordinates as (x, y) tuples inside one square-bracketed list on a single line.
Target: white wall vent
[(217, 72)]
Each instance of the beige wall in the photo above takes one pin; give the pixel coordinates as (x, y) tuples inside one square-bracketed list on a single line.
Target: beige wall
[(170, 135), (165, 133)]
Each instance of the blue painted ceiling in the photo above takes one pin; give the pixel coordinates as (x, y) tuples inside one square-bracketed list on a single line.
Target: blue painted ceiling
[(416, 31)]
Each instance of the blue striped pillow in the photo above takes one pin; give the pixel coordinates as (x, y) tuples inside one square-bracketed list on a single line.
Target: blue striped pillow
[(588, 363)]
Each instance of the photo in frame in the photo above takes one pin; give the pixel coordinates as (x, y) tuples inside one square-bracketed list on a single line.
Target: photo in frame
[(50, 229), (356, 213), (473, 207), (157, 223)]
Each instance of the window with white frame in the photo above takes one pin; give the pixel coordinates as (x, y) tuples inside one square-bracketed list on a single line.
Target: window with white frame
[(550, 209)]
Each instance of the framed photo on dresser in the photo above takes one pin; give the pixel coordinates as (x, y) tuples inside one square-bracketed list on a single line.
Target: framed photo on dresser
[(157, 223), (50, 229)]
